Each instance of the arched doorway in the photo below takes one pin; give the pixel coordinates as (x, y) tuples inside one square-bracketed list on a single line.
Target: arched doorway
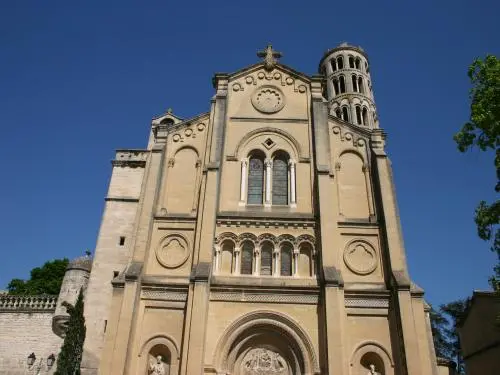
[(265, 343)]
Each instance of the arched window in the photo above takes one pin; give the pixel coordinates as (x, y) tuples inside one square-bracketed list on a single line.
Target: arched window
[(358, 63), (345, 114), (340, 62), (367, 69), (266, 259), (358, 115), (305, 260), (354, 83), (286, 259), (336, 86), (338, 113), (342, 84), (365, 116), (360, 85), (351, 62), (227, 258), (167, 121), (255, 178), (333, 63), (280, 179), (247, 258)]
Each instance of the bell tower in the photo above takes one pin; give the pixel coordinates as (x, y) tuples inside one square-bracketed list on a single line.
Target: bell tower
[(349, 85)]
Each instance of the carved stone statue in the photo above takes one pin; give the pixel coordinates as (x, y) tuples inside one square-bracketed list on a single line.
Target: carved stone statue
[(264, 362), (373, 371), (157, 368)]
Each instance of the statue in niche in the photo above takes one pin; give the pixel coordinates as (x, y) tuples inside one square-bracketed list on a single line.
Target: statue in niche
[(373, 371), (157, 368), (264, 362)]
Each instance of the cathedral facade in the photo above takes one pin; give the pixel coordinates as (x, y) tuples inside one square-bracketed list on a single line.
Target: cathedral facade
[(261, 237)]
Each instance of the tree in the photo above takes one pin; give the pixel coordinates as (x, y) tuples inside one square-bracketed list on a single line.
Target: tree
[(70, 357), (44, 280), (439, 324), (444, 324), (483, 131)]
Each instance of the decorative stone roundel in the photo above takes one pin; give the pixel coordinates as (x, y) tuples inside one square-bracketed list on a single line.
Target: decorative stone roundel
[(173, 251), (268, 99), (360, 257)]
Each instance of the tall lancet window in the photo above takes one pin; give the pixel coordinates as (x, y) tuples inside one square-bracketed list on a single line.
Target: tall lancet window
[(255, 178), (280, 179)]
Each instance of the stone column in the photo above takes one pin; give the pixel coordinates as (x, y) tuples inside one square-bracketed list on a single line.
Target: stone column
[(276, 260), (237, 260), (243, 185), (256, 262), (293, 195), (217, 258), (296, 254), (269, 166)]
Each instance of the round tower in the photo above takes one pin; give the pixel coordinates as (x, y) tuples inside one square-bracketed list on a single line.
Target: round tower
[(349, 86), (75, 278)]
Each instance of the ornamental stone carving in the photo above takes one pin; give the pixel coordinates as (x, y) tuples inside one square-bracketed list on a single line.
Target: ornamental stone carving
[(173, 251), (360, 257), (261, 361), (268, 99)]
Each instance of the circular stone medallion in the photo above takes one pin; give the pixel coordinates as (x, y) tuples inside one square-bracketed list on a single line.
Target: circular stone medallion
[(173, 251), (360, 257), (268, 99)]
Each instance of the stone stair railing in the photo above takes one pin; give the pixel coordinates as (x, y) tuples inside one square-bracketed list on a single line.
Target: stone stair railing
[(10, 303)]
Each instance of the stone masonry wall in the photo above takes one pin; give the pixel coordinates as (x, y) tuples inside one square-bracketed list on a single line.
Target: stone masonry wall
[(25, 328)]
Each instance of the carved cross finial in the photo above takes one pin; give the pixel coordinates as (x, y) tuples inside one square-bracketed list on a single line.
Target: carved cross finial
[(270, 57)]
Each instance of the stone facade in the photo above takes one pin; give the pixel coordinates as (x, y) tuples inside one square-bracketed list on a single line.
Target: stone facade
[(261, 237)]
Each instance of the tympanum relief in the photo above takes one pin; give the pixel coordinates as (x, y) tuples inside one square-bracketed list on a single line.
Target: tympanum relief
[(261, 361)]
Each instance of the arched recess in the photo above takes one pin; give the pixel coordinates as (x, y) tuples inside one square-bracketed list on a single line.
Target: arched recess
[(371, 353), (244, 144), (159, 345), (352, 186), (273, 333), (227, 264), (182, 181)]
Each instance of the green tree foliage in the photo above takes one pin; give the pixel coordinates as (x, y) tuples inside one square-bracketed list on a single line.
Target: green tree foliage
[(483, 131), (70, 357), (44, 280), (444, 325)]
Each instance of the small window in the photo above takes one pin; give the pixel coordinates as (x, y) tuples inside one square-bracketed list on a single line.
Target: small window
[(360, 85), (105, 325), (358, 115), (338, 113), (115, 274), (340, 62), (286, 259), (342, 84), (358, 63), (351, 62), (336, 86), (345, 114), (266, 259), (122, 241), (333, 63), (167, 121), (247, 258), (354, 83), (365, 116)]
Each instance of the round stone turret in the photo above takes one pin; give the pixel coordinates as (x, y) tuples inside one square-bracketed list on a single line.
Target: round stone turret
[(76, 278), (349, 86)]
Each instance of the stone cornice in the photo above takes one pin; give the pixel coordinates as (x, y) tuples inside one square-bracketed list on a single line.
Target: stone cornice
[(131, 158)]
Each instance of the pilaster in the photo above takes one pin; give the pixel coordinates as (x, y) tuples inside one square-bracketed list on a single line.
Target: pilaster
[(198, 298)]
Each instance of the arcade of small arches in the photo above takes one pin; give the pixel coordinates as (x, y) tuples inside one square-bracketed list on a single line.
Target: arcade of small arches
[(264, 255), (268, 180), (360, 114)]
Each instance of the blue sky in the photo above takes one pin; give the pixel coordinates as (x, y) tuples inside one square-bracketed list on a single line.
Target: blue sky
[(78, 81)]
